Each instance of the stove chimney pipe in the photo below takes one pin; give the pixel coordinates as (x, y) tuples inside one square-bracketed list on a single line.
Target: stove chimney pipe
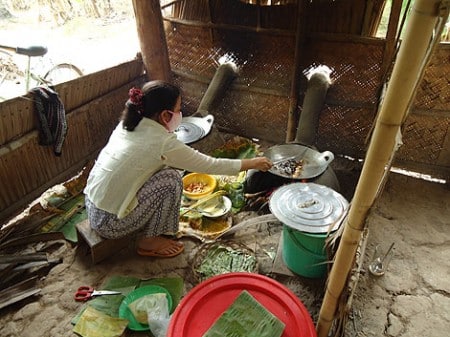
[(318, 83)]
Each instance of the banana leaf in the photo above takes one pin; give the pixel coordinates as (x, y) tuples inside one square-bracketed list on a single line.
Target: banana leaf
[(73, 213), (94, 323), (246, 317), (237, 147)]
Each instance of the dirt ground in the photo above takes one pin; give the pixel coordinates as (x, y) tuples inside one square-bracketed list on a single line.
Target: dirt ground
[(411, 299)]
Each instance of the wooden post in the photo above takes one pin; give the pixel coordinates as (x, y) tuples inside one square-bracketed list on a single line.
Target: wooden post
[(293, 115), (152, 39), (391, 38)]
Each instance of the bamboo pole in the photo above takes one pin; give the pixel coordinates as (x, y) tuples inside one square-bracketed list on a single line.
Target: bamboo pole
[(152, 39), (401, 89)]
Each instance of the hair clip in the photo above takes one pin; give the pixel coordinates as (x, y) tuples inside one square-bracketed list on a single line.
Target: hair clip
[(135, 95)]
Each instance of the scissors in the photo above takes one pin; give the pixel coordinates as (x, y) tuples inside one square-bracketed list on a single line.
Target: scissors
[(85, 293)]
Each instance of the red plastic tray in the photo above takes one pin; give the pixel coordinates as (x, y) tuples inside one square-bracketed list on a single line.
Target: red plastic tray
[(200, 308)]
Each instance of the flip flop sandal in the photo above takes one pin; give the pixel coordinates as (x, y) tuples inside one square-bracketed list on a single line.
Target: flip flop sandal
[(158, 253)]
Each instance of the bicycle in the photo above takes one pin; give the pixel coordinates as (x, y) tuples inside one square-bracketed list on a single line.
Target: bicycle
[(11, 72)]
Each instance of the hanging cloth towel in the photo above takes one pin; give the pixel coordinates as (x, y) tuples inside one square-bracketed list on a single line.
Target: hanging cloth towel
[(51, 117)]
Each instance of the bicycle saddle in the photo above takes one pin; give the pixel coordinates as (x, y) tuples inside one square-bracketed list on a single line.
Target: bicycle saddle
[(32, 50)]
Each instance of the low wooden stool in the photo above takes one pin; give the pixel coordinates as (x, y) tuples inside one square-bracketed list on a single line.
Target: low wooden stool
[(100, 247)]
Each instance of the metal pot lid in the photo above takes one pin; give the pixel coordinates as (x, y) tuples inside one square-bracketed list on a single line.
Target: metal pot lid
[(189, 132), (308, 207), (192, 129)]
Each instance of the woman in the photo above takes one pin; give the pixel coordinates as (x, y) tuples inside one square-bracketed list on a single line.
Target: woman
[(134, 186)]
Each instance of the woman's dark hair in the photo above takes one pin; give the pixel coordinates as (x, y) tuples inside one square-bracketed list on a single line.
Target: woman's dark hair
[(157, 96)]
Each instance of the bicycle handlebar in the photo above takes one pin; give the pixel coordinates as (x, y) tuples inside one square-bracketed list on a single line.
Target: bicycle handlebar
[(29, 50)]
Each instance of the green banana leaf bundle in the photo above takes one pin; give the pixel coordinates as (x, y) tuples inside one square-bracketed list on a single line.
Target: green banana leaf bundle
[(246, 317)]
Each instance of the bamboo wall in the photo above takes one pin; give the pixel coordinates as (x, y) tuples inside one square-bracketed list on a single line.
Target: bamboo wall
[(257, 104), (93, 104), (426, 133)]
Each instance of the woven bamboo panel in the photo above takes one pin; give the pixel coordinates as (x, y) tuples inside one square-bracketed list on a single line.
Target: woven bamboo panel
[(354, 80), (197, 50), (434, 90), (195, 60), (191, 49), (254, 54), (242, 112), (342, 132), (17, 116), (246, 113), (424, 138), (192, 92), (257, 103), (347, 118), (356, 67)]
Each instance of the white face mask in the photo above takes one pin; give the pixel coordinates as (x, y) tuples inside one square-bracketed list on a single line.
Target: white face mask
[(175, 121)]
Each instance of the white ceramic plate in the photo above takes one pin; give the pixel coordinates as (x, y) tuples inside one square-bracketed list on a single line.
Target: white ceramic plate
[(215, 207)]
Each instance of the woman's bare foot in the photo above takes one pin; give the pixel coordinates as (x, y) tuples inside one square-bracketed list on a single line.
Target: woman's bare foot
[(159, 246)]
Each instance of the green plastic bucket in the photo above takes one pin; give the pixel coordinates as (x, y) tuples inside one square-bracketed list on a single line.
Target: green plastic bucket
[(304, 253)]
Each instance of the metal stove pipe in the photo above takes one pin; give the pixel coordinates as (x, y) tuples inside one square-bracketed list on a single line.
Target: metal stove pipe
[(308, 125), (225, 74), (318, 84), (222, 79)]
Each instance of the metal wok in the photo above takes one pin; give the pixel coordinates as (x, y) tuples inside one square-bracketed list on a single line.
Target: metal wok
[(310, 162), (193, 129)]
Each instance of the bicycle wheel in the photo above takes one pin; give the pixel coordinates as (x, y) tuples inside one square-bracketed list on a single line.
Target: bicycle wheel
[(62, 73)]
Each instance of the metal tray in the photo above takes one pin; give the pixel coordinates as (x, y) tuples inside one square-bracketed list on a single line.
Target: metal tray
[(313, 162)]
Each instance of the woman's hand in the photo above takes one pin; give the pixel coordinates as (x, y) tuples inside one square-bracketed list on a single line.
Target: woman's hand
[(258, 163)]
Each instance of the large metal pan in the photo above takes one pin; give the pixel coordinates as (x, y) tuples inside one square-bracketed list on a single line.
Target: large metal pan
[(295, 161)]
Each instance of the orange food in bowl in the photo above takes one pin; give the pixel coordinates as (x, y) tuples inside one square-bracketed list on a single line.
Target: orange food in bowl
[(198, 185)]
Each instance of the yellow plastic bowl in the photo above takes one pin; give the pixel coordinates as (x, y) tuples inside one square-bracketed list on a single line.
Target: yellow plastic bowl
[(198, 185)]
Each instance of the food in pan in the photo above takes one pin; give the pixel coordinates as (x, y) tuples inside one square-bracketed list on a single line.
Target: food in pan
[(290, 167)]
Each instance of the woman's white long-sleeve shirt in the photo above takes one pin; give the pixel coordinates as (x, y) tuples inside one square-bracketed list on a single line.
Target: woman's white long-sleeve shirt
[(130, 158)]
